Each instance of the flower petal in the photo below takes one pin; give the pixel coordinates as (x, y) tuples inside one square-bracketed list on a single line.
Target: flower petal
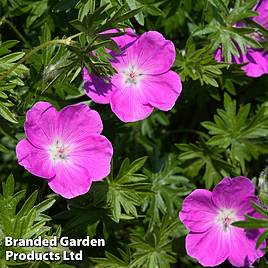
[(198, 212), (77, 121), (223, 194), (40, 124), (255, 60), (34, 160), (245, 207), (218, 55), (70, 180), (125, 40), (242, 247), (93, 152), (209, 248), (257, 63), (262, 9), (163, 90), (96, 88), (152, 53), (242, 59), (129, 102)]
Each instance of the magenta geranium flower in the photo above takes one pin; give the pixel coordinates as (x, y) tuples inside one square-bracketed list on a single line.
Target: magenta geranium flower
[(255, 60), (143, 80), (262, 10), (65, 147), (209, 215)]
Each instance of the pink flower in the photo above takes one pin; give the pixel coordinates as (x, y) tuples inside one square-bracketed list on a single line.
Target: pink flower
[(255, 60), (143, 80), (65, 147), (209, 215), (262, 9)]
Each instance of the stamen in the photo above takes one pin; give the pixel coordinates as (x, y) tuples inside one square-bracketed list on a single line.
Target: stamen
[(131, 75), (225, 218), (59, 151)]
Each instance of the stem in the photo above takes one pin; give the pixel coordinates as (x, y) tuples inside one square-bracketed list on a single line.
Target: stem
[(13, 27), (66, 42)]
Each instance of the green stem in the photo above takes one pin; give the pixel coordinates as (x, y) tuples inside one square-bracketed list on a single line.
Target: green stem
[(13, 27), (65, 42)]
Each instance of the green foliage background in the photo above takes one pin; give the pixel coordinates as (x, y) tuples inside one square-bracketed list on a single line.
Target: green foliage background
[(219, 126)]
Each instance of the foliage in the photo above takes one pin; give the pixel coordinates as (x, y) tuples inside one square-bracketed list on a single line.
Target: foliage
[(152, 249), (245, 136), (221, 28), (168, 189), (126, 189), (198, 64), (28, 222)]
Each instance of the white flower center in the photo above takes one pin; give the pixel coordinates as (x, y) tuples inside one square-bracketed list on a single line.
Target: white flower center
[(131, 75), (225, 218), (59, 151)]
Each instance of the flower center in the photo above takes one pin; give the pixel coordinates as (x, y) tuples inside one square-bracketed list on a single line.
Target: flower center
[(131, 75), (59, 151), (225, 218)]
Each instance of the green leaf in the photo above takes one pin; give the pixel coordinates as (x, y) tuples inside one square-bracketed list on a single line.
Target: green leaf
[(251, 223), (126, 189), (28, 205), (202, 155), (3, 149), (260, 209), (27, 223), (153, 249), (5, 113), (8, 186), (112, 261), (125, 16), (261, 238), (78, 25), (134, 5), (198, 64), (12, 57), (241, 12), (63, 5), (85, 8), (129, 169), (244, 135), (167, 189), (220, 5)]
